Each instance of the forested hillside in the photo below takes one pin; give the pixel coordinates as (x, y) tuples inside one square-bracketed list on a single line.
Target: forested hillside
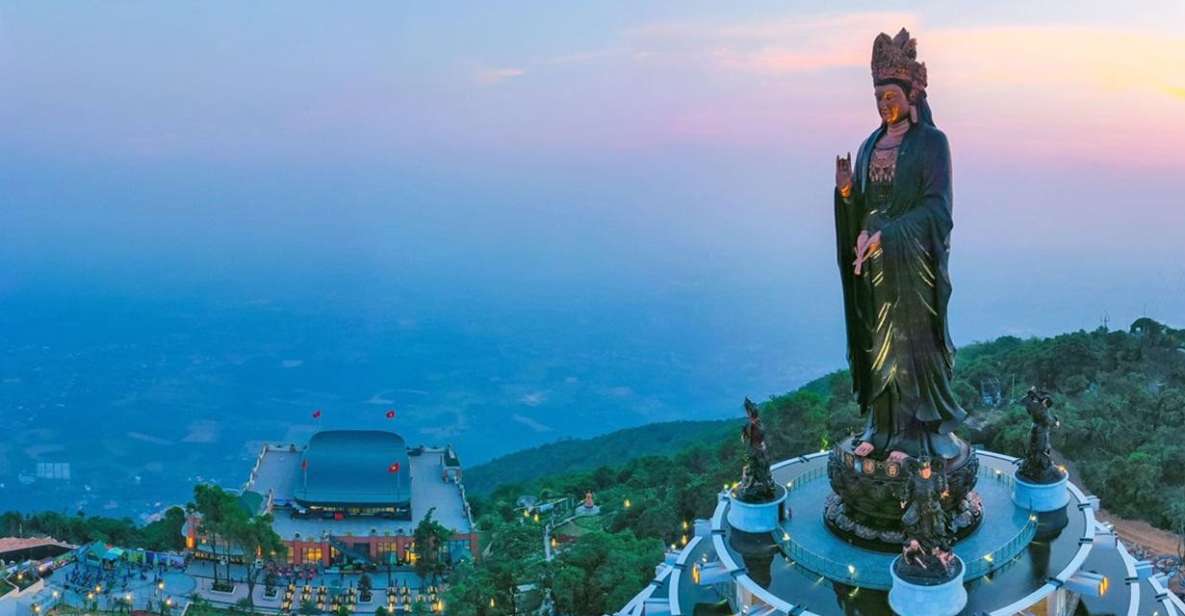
[(1120, 396), (1121, 400), (583, 454)]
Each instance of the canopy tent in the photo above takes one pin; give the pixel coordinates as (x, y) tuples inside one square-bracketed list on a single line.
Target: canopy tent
[(98, 553)]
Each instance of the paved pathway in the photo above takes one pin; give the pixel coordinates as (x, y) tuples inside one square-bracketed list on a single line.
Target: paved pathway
[(126, 585)]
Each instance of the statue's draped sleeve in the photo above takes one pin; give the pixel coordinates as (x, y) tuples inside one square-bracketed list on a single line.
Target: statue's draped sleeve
[(909, 286), (849, 216), (918, 240)]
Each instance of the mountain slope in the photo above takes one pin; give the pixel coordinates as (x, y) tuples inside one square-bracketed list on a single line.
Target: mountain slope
[(1120, 396), (573, 455)]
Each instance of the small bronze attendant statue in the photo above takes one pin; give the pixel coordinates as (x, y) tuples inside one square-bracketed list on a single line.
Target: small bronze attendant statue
[(929, 536), (1038, 466), (757, 484)]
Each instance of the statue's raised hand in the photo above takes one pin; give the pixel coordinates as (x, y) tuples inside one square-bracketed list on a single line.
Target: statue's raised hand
[(843, 174)]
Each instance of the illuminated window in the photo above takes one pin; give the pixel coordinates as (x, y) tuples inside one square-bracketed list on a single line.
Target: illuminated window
[(313, 554)]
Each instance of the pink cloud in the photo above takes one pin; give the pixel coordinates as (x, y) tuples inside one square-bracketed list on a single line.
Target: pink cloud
[(1059, 93), (491, 76), (787, 45)]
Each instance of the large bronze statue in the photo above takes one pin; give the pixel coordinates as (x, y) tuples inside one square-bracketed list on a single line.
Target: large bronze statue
[(892, 226), (757, 483)]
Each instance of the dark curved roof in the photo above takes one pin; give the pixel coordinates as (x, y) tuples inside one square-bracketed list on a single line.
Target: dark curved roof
[(351, 467)]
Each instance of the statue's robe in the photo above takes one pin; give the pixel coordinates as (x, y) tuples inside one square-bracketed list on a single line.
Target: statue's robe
[(899, 345)]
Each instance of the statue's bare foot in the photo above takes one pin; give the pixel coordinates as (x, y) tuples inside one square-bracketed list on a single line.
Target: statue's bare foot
[(864, 449), (898, 456)]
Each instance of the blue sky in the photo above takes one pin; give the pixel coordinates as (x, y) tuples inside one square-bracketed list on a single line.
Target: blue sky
[(517, 222), (535, 147)]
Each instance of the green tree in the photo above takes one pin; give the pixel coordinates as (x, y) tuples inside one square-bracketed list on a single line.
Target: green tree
[(254, 536), (601, 571), (431, 539), (219, 511), (165, 533)]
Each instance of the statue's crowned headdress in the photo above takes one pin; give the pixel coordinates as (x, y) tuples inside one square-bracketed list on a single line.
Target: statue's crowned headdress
[(895, 60)]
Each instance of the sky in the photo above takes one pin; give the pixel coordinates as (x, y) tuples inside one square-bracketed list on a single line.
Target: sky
[(666, 165)]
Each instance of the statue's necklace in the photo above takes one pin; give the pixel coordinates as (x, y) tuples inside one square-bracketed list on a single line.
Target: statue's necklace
[(884, 155)]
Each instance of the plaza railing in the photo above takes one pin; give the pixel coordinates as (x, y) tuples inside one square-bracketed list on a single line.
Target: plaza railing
[(1001, 556), (843, 572), (848, 573), (805, 477)]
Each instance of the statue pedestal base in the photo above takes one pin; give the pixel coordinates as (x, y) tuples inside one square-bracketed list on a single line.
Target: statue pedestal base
[(913, 599), (757, 517), (1040, 497), (866, 508)]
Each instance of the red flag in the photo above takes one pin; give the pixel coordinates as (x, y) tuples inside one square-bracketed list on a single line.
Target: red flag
[(391, 414), (394, 468), (304, 464), (317, 414)]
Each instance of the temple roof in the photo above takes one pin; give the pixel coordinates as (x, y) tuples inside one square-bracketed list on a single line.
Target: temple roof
[(13, 544), (353, 467)]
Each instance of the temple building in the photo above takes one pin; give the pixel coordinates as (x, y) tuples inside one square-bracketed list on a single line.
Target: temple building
[(20, 549), (354, 497)]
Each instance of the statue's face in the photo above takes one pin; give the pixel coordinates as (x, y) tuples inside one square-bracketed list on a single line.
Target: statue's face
[(891, 103), (925, 472)]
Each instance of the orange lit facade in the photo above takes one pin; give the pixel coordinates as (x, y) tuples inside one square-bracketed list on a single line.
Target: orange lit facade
[(358, 516)]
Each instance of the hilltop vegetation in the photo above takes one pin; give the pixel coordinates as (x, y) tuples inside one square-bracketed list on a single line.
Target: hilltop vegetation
[(1120, 396), (1121, 400), (599, 571), (163, 534), (572, 455)]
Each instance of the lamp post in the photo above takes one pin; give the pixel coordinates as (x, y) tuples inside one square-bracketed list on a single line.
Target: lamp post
[(160, 596)]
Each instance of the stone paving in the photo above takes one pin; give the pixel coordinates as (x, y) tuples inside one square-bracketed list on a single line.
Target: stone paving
[(84, 586), (121, 586)]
